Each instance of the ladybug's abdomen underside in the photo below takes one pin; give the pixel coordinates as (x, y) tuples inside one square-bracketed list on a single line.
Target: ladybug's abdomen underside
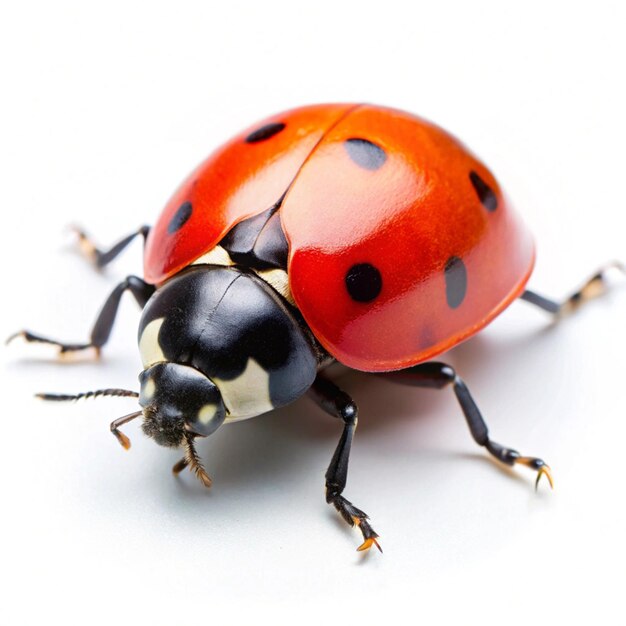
[(401, 242)]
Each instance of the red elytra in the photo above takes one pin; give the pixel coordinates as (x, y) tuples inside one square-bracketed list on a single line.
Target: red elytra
[(365, 186), (239, 180)]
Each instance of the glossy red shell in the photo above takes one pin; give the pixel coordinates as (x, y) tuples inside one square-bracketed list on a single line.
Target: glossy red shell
[(412, 214), (238, 180)]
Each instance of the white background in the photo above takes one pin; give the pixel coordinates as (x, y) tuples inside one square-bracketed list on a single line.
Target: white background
[(102, 113)]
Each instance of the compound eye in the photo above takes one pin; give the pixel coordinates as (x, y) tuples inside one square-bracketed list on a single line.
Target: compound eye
[(148, 389), (207, 419), (207, 413)]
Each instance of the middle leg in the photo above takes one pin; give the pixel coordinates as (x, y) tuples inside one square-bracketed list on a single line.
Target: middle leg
[(100, 258), (104, 323)]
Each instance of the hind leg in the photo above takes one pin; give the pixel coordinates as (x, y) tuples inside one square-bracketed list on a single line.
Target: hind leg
[(439, 375), (593, 288)]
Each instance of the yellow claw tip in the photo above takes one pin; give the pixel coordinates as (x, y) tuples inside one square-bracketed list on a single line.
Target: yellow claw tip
[(368, 543), (547, 472)]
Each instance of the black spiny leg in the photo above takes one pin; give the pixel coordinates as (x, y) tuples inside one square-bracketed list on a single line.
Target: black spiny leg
[(339, 404), (439, 375), (104, 323), (593, 288)]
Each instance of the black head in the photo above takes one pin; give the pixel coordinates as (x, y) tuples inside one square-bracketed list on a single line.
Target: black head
[(178, 400)]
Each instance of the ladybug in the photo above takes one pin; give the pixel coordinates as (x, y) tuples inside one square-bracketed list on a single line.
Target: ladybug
[(339, 232)]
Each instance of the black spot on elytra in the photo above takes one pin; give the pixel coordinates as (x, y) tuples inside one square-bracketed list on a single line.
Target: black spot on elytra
[(363, 282), (365, 153), (265, 132), (456, 281), (484, 192), (183, 213)]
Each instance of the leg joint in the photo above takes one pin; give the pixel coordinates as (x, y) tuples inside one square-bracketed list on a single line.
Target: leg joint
[(333, 400), (349, 413), (449, 373), (333, 491), (506, 455)]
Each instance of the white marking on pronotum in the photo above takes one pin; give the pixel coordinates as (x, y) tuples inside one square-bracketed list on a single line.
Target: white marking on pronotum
[(279, 280), (275, 277), (247, 395), (215, 256), (149, 346)]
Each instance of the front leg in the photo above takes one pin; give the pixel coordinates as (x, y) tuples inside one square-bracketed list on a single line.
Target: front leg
[(339, 404), (193, 462)]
